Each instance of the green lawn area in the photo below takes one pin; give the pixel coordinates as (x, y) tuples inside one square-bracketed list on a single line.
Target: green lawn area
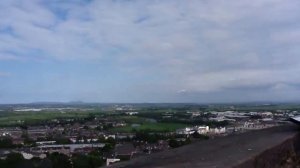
[(155, 127)]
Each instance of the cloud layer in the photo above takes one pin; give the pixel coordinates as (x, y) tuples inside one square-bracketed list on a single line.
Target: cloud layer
[(176, 50)]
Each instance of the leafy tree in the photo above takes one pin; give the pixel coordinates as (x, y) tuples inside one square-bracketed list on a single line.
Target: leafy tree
[(87, 161), (107, 148), (147, 136), (80, 161), (173, 143), (13, 160), (177, 143), (99, 128), (199, 136), (96, 153), (6, 143), (95, 161), (60, 160), (101, 139), (111, 141), (62, 140), (24, 127), (107, 126)]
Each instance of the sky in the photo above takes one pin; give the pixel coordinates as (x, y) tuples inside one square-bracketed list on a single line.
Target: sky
[(200, 51)]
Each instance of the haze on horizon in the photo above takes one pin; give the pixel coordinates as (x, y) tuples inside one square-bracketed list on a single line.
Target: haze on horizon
[(149, 51)]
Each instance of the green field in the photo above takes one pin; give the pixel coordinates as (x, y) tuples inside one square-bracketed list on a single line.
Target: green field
[(17, 118), (155, 127), (130, 119)]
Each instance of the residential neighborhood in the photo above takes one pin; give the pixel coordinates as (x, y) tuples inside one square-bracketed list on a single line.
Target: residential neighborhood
[(127, 131)]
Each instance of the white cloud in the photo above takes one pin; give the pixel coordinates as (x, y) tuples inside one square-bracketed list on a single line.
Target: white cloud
[(201, 46)]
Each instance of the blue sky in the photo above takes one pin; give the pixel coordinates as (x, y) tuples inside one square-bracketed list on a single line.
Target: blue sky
[(149, 51)]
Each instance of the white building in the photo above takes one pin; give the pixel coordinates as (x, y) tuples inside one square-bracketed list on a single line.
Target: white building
[(27, 156), (110, 161), (267, 114), (202, 129), (185, 131), (191, 130), (249, 125), (220, 130), (132, 113)]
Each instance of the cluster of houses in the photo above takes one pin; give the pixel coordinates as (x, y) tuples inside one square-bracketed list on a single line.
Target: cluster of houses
[(67, 148), (253, 125), (200, 130)]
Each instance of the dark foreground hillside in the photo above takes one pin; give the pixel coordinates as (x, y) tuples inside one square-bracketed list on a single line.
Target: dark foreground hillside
[(273, 147)]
